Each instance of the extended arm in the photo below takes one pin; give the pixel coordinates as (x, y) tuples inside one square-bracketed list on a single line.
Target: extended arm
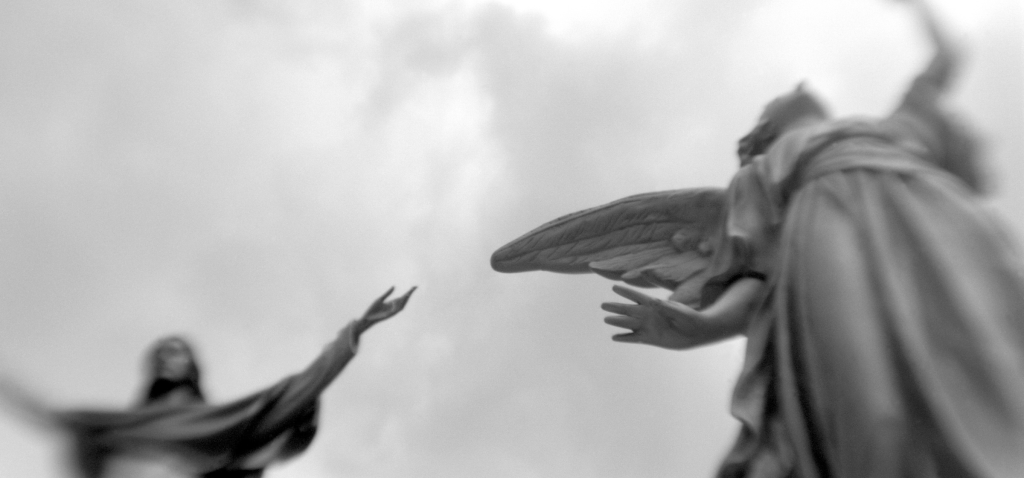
[(921, 117), (302, 389), (26, 404), (944, 63), (672, 325)]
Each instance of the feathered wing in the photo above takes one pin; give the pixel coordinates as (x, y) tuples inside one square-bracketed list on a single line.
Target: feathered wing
[(664, 239)]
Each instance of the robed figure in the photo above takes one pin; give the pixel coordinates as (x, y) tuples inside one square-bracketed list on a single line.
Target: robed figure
[(882, 304), (175, 432)]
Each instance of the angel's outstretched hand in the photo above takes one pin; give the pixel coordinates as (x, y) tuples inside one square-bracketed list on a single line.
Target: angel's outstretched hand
[(382, 309), (658, 322)]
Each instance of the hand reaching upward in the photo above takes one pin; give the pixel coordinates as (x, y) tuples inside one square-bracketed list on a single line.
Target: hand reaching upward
[(382, 309)]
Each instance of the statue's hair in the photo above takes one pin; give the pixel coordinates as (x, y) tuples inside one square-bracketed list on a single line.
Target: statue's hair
[(778, 116), (792, 107)]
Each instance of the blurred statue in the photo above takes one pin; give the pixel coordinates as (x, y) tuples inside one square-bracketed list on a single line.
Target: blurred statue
[(175, 432), (883, 307)]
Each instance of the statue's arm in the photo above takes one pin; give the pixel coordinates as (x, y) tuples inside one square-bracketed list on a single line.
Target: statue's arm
[(921, 117), (28, 405), (672, 325), (946, 59), (938, 75), (302, 389), (732, 311)]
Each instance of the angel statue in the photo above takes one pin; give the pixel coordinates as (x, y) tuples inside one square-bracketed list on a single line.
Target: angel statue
[(173, 432), (881, 303)]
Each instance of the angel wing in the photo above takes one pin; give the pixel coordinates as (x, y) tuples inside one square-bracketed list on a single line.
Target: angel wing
[(664, 239)]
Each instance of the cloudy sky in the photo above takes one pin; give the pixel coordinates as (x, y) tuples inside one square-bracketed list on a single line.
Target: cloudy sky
[(253, 173)]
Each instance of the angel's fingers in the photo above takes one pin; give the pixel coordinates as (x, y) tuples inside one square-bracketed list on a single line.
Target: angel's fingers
[(623, 321), (632, 294), (630, 337), (380, 301), (620, 308), (405, 297)]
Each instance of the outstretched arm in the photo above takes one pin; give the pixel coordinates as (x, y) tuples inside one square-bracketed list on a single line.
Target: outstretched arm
[(381, 310), (921, 117), (945, 61), (300, 390), (26, 404), (672, 325), (336, 355)]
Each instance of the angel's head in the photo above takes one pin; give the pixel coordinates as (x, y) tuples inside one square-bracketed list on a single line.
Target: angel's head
[(796, 108), (172, 368)]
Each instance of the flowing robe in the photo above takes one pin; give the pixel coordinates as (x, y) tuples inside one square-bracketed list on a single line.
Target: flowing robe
[(238, 438), (890, 341)]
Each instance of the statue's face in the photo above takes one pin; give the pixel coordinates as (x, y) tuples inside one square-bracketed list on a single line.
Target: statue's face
[(756, 142), (783, 113), (173, 360)]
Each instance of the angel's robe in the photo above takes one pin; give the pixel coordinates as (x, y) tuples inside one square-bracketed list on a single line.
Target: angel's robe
[(891, 339), (238, 438)]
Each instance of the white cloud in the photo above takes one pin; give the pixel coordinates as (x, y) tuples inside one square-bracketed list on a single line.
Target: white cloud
[(254, 173)]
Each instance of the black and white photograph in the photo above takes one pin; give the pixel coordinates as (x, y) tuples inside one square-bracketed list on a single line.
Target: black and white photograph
[(512, 239)]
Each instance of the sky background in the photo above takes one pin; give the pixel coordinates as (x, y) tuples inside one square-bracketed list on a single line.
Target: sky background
[(252, 174)]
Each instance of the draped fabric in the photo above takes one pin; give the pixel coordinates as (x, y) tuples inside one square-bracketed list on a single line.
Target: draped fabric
[(891, 340), (238, 438)]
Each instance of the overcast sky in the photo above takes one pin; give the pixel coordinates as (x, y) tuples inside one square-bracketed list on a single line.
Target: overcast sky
[(252, 174)]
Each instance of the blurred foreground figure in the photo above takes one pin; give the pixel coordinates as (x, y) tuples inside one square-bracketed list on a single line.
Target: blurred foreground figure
[(883, 306), (175, 433)]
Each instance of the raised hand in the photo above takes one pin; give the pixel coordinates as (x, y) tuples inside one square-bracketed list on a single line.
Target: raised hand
[(946, 60), (383, 309), (658, 322)]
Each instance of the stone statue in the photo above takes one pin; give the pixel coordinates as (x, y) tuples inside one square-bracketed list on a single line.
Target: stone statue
[(882, 305), (174, 432)]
